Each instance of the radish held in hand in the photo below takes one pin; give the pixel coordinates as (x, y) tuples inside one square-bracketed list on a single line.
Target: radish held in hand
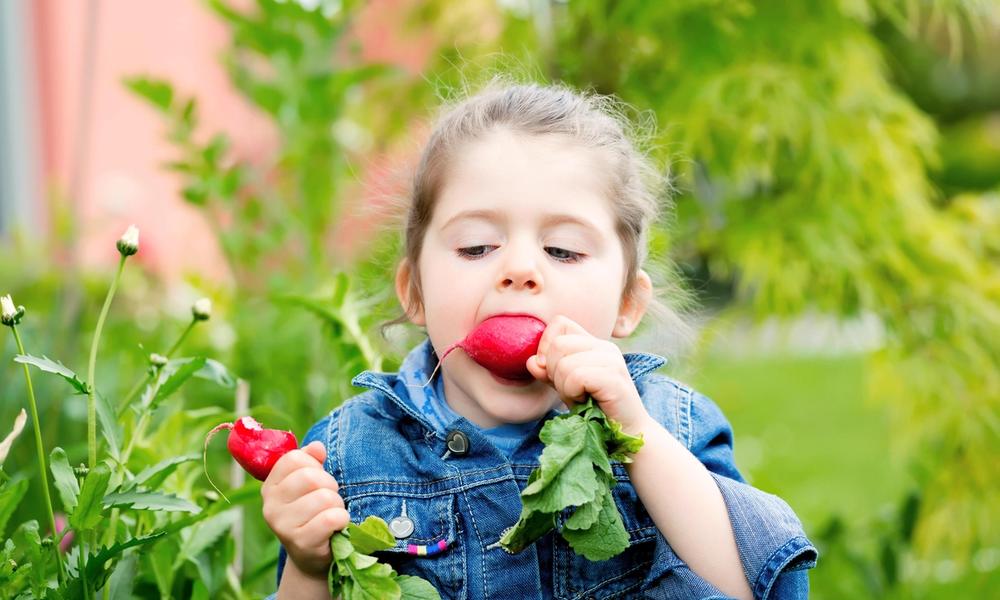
[(255, 448), (502, 344)]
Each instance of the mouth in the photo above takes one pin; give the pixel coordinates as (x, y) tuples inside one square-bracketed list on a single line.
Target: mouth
[(511, 382), (513, 314)]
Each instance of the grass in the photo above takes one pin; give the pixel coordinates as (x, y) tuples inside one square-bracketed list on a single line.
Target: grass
[(805, 432)]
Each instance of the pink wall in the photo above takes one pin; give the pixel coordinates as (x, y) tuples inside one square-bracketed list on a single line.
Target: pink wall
[(122, 182)]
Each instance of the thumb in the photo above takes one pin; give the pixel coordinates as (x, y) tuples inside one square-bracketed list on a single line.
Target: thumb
[(316, 450)]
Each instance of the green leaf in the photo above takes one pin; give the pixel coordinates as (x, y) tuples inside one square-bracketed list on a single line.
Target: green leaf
[(96, 571), (110, 429), (55, 367), (575, 470), (88, 511), (370, 536), (122, 579), (11, 495), (416, 588), (174, 374), (157, 92), (150, 501), (216, 372), (605, 538), (207, 533), (340, 546), (153, 475), (65, 480)]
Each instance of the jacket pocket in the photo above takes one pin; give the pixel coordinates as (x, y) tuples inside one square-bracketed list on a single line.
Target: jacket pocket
[(575, 577), (428, 541)]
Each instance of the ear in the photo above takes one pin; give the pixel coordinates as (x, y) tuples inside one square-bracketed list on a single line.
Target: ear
[(404, 277), (634, 306)]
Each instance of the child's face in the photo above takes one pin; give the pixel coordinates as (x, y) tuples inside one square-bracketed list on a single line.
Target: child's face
[(522, 226)]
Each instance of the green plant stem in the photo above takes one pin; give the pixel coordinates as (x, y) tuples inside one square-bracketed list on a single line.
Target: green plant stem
[(143, 382), (91, 367), (42, 465)]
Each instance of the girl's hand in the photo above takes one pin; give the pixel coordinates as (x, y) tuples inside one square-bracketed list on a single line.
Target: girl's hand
[(578, 364), (303, 509)]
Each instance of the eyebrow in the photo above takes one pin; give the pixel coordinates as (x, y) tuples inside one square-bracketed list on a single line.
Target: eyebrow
[(495, 215)]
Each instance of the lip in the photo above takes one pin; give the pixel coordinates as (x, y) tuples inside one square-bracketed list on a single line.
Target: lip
[(514, 314), (511, 382)]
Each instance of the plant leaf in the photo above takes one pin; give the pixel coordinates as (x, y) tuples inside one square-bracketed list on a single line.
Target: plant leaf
[(122, 579), (416, 588), (110, 429), (95, 562), (217, 372), (605, 538), (370, 536), (55, 367), (11, 495), (142, 500), (153, 475), (157, 92), (65, 479), (88, 510), (174, 374)]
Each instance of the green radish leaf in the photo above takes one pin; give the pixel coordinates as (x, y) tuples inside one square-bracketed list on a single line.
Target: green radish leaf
[(355, 575), (370, 536), (88, 511), (65, 479), (11, 495), (415, 588), (110, 428), (55, 367), (605, 538), (153, 475), (575, 470), (150, 501)]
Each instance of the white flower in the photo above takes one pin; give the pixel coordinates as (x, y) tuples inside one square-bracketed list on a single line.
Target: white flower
[(128, 244), (158, 360), (202, 309), (10, 314)]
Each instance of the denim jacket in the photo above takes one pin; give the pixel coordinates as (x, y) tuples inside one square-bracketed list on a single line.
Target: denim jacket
[(390, 462)]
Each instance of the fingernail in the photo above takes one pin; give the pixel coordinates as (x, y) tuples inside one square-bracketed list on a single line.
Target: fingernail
[(540, 359)]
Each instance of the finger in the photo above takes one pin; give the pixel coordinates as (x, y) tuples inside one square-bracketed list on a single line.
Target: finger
[(292, 515), (289, 463), (302, 482), (566, 345), (316, 450), (557, 326), (536, 369), (576, 374), (317, 531)]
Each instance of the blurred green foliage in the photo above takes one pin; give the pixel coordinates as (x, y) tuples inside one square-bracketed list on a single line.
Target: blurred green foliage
[(840, 157)]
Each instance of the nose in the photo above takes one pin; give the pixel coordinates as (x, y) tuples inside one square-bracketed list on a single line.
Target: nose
[(520, 270)]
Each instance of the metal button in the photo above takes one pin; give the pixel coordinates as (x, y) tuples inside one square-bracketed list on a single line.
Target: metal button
[(401, 527), (458, 443)]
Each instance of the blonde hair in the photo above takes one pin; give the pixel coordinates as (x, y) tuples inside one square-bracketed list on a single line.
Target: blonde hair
[(594, 122)]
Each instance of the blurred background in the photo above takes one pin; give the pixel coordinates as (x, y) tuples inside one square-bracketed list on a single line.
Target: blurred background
[(837, 218)]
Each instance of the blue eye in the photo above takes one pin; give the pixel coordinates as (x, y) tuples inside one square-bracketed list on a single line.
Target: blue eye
[(563, 255), (474, 251)]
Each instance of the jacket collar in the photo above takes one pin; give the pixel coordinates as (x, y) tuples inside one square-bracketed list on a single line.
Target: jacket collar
[(637, 363)]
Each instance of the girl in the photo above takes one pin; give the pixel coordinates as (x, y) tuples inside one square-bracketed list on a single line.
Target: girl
[(530, 200)]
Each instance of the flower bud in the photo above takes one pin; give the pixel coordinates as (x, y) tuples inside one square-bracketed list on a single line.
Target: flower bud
[(128, 244), (81, 471), (202, 309), (157, 360), (9, 314)]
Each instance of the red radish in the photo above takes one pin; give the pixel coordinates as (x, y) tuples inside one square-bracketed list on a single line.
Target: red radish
[(255, 448), (502, 344)]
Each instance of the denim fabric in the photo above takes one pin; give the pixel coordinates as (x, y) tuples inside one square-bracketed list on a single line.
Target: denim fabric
[(390, 461)]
